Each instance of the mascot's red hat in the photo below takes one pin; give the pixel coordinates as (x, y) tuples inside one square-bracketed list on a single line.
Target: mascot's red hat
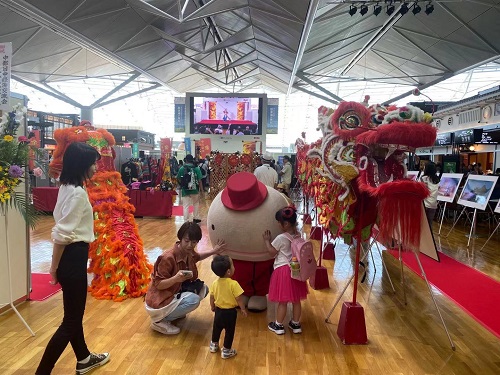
[(243, 192)]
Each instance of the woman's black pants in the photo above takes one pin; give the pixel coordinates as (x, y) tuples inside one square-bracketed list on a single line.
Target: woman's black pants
[(72, 275)]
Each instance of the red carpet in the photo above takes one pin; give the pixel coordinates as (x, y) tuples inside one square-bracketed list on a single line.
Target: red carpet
[(177, 211), (472, 290), (41, 288)]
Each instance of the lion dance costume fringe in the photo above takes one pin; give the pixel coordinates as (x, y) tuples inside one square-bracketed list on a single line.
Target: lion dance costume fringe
[(120, 268)]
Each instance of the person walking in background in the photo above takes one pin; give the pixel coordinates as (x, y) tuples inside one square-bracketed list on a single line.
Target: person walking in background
[(189, 177), (225, 295), (72, 233), (282, 288), (431, 180), (265, 173), (286, 174)]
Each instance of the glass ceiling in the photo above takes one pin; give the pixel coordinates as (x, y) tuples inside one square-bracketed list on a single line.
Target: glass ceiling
[(153, 111)]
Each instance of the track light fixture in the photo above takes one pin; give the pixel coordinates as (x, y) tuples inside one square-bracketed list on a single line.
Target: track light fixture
[(416, 9), (429, 8), (390, 9), (404, 9), (377, 9), (363, 10), (352, 10)]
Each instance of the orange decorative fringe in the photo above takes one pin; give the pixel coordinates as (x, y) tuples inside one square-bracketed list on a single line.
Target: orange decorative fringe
[(121, 269)]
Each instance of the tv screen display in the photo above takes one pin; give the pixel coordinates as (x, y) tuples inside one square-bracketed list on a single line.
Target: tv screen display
[(226, 115)]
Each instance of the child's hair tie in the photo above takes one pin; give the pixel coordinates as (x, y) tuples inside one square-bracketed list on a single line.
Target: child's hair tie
[(288, 212)]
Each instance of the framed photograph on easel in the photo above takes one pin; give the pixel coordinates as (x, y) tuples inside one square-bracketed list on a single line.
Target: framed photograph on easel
[(477, 191), (448, 186)]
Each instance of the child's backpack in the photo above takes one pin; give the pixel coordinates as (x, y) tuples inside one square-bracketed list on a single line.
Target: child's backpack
[(303, 251), (188, 179)]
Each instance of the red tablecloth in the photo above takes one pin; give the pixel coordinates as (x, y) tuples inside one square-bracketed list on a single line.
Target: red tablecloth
[(45, 198), (158, 203)]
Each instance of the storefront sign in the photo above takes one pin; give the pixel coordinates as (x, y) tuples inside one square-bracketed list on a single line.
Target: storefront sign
[(6, 59), (443, 139), (135, 150)]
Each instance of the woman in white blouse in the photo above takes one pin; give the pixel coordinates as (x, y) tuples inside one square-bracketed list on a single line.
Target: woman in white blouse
[(72, 233)]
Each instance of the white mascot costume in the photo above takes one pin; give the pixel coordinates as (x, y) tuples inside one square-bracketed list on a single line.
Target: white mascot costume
[(239, 215)]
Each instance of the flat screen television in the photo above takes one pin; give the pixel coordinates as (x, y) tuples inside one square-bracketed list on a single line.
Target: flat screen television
[(226, 114)]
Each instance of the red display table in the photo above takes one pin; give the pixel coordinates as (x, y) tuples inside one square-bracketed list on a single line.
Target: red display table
[(158, 203), (45, 198)]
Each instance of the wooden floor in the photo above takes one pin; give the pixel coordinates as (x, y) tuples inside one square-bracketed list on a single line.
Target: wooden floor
[(403, 339)]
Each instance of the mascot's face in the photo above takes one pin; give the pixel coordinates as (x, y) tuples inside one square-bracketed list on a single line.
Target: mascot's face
[(242, 230)]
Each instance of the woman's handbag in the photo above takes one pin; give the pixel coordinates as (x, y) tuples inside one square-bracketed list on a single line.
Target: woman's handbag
[(192, 286)]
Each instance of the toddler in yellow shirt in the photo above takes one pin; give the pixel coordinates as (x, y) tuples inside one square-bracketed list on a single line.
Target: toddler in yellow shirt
[(225, 295)]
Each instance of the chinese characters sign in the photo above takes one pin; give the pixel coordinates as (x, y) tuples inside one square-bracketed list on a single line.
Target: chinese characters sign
[(6, 60), (272, 116), (180, 115)]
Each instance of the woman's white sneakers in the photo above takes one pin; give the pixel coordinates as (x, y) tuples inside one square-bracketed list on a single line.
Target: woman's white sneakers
[(166, 328)]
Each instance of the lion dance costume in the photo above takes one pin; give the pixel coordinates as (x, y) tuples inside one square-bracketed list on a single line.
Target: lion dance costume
[(357, 174), (121, 270)]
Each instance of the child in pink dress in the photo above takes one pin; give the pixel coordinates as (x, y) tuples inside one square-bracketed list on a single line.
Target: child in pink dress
[(283, 289)]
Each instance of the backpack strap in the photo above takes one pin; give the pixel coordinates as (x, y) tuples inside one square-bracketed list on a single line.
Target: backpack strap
[(290, 237)]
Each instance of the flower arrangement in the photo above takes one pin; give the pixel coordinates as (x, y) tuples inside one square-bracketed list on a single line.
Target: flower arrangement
[(14, 156)]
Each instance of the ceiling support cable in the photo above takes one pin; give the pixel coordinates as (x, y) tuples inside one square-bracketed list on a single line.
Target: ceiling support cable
[(315, 94), (64, 99), (117, 88), (302, 76)]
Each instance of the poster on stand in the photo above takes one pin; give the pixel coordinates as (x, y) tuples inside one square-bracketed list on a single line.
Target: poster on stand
[(412, 175), (448, 186), (6, 62), (249, 147), (477, 191), (205, 147)]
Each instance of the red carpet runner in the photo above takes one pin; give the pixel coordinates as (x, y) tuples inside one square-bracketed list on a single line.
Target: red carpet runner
[(178, 210), (472, 290), (41, 288)]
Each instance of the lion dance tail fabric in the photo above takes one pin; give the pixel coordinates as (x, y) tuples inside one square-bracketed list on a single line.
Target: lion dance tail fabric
[(121, 269)]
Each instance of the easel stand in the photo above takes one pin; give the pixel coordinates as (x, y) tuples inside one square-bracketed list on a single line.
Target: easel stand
[(456, 221), (491, 235), (442, 217), (472, 233), (9, 271), (434, 300)]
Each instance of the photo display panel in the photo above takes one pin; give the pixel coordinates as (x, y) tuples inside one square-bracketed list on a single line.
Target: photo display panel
[(477, 191), (448, 186), (226, 115)]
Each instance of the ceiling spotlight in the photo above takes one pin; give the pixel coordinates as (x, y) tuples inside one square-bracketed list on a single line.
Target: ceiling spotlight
[(363, 10), (352, 10), (429, 8), (472, 148), (390, 9), (404, 9), (416, 9), (377, 9)]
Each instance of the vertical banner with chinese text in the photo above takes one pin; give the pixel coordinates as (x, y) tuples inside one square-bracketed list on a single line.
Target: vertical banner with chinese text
[(180, 115), (272, 115), (205, 145), (6, 58), (187, 145)]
